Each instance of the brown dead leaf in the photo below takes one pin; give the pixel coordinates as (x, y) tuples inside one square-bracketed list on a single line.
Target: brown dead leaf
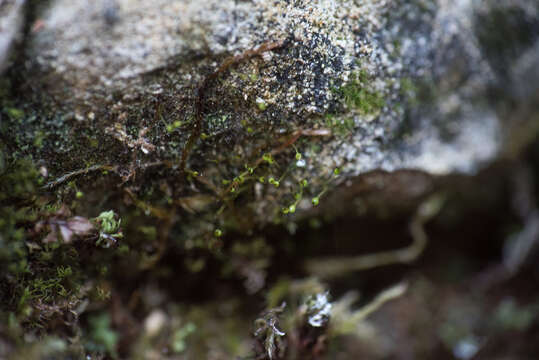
[(80, 225), (66, 232), (52, 236), (75, 226)]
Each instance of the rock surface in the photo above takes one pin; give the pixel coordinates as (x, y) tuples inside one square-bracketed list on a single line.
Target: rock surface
[(11, 19), (351, 85)]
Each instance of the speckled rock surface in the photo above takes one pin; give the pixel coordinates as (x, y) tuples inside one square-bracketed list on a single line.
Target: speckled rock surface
[(11, 19), (365, 85)]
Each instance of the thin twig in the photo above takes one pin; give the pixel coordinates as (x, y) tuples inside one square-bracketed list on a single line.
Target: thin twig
[(62, 179)]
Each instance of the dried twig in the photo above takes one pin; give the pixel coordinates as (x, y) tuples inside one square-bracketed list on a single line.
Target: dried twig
[(62, 179)]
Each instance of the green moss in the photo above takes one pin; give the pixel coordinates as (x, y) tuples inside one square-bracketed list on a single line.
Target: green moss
[(39, 280), (109, 228), (101, 337), (62, 283), (19, 180), (180, 336), (357, 95), (18, 183), (108, 222), (14, 113)]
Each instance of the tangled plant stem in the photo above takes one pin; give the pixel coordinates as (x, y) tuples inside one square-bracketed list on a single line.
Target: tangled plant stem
[(196, 131)]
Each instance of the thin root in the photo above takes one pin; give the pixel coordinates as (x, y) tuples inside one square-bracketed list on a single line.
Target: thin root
[(332, 267)]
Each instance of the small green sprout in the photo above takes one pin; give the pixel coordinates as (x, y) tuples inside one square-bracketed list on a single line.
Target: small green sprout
[(274, 182), (298, 154), (316, 200), (268, 158), (297, 197), (336, 171), (79, 194), (218, 233), (108, 222), (109, 228), (176, 124), (191, 174)]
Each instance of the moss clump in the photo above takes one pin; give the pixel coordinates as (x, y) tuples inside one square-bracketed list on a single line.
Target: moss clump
[(34, 274), (47, 265), (56, 284), (358, 95), (18, 182)]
